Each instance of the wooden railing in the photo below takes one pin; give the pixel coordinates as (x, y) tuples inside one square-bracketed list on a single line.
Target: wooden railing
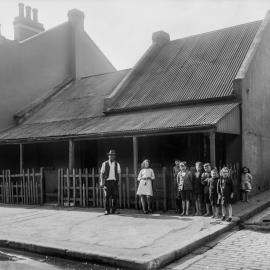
[(23, 188), (81, 188)]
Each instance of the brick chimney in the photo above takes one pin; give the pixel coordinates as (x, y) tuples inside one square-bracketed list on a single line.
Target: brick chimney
[(76, 18), (76, 21), (26, 26)]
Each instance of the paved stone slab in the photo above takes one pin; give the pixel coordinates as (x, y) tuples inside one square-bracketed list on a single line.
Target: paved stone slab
[(130, 239)]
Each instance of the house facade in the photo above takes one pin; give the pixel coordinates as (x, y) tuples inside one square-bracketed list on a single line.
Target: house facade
[(202, 97)]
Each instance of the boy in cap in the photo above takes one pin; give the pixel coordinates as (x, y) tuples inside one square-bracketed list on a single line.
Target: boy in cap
[(110, 174)]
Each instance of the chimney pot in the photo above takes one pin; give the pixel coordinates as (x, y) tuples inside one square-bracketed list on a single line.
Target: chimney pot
[(160, 37), (21, 10), (35, 14), (76, 17), (28, 12), (25, 27)]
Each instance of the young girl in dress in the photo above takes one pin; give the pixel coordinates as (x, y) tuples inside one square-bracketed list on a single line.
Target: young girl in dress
[(145, 190), (225, 193), (246, 179)]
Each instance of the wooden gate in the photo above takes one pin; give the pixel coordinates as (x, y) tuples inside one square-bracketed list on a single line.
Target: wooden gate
[(23, 188)]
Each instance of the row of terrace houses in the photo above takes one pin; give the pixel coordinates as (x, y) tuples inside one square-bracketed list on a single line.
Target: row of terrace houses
[(203, 97)]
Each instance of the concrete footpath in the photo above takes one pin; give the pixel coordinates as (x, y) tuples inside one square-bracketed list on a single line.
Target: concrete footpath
[(129, 240)]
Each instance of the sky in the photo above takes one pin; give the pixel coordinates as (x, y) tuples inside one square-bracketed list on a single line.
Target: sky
[(123, 29)]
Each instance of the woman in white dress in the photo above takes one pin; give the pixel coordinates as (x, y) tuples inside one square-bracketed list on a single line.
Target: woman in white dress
[(145, 190)]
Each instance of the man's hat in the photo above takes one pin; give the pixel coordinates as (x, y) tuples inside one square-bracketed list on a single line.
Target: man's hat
[(112, 153)]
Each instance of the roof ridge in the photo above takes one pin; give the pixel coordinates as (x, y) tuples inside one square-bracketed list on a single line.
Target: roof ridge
[(65, 120), (106, 73), (42, 33), (160, 106), (216, 30)]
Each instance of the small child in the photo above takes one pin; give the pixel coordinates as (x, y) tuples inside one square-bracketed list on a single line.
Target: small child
[(225, 193), (176, 170), (198, 188), (246, 179), (184, 181), (213, 193), (205, 182)]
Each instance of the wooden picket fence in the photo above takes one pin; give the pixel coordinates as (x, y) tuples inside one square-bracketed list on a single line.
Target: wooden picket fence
[(80, 187), (23, 188)]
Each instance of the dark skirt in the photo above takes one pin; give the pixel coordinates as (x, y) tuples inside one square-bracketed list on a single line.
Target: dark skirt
[(206, 197), (186, 195)]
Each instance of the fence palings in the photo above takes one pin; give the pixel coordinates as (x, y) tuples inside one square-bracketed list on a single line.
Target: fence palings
[(16, 188), (81, 188), (83, 184)]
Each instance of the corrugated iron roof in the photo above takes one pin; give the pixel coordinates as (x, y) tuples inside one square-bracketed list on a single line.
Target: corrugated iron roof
[(82, 99), (192, 68), (167, 119)]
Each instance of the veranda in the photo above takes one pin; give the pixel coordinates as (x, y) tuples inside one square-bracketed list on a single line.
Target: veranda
[(70, 168)]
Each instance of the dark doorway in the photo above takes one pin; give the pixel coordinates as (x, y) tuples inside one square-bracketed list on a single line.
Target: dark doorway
[(49, 156)]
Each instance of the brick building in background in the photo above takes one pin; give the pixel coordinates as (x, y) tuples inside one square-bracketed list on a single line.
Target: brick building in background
[(203, 97)]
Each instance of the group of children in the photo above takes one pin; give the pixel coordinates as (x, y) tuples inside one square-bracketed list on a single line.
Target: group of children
[(208, 188)]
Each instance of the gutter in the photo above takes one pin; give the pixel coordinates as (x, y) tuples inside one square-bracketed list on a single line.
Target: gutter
[(120, 134)]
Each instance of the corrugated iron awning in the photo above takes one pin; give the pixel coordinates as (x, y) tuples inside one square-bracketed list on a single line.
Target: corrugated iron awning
[(224, 117)]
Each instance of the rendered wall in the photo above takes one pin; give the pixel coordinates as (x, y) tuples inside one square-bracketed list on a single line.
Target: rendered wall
[(30, 68), (256, 115), (89, 59)]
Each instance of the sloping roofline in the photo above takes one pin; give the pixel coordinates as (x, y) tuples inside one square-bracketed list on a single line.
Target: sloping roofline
[(253, 48)]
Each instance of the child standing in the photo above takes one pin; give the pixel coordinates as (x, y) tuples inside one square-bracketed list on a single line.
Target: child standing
[(176, 170), (246, 179), (198, 187), (145, 190), (205, 182), (213, 192), (225, 193), (184, 181)]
